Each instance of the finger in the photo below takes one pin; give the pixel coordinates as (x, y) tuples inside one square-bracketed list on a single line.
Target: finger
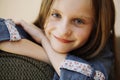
[(18, 22), (23, 23)]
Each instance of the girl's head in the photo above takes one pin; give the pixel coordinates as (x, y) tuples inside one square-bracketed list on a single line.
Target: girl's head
[(69, 27), (80, 26)]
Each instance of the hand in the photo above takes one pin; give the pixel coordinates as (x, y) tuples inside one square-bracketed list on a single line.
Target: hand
[(55, 58), (35, 32)]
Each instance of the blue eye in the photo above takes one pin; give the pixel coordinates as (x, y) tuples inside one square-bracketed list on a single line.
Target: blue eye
[(57, 15), (78, 21)]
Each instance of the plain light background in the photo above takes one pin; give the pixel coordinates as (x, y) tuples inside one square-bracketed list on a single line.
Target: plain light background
[(29, 9), (20, 9)]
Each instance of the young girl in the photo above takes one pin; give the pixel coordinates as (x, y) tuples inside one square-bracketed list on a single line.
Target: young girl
[(78, 40)]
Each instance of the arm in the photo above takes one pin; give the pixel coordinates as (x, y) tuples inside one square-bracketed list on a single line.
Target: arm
[(9, 31), (25, 47), (55, 59), (31, 29)]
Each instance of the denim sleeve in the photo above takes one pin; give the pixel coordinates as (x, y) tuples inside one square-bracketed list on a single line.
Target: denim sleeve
[(4, 33), (75, 68)]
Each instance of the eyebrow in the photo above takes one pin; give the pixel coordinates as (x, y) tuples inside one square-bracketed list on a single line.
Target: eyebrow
[(55, 10), (91, 18), (86, 17)]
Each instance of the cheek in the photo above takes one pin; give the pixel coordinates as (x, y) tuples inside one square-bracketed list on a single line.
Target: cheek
[(49, 27), (47, 30), (82, 34)]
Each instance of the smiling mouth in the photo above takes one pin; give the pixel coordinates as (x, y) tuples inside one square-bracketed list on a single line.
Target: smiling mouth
[(63, 40)]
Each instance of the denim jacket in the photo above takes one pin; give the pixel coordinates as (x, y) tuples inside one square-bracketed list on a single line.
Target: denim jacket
[(73, 68), (95, 69), (5, 33)]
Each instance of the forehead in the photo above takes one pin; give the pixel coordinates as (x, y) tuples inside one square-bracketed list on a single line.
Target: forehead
[(74, 6)]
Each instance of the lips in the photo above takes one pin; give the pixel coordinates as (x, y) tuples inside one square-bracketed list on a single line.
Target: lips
[(63, 40)]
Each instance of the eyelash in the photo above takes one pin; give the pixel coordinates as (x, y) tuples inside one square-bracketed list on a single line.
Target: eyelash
[(56, 15), (78, 21)]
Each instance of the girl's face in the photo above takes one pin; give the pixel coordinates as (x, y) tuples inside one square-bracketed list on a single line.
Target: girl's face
[(69, 24)]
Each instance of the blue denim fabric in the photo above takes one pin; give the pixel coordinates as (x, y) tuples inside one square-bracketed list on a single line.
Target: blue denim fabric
[(102, 62), (4, 33)]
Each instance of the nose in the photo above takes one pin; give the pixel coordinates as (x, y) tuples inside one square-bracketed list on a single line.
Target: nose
[(65, 29)]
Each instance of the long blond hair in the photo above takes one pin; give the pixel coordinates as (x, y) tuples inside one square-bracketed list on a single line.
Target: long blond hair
[(102, 34)]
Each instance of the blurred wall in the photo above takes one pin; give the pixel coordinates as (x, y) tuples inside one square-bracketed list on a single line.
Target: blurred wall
[(117, 25), (20, 9)]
